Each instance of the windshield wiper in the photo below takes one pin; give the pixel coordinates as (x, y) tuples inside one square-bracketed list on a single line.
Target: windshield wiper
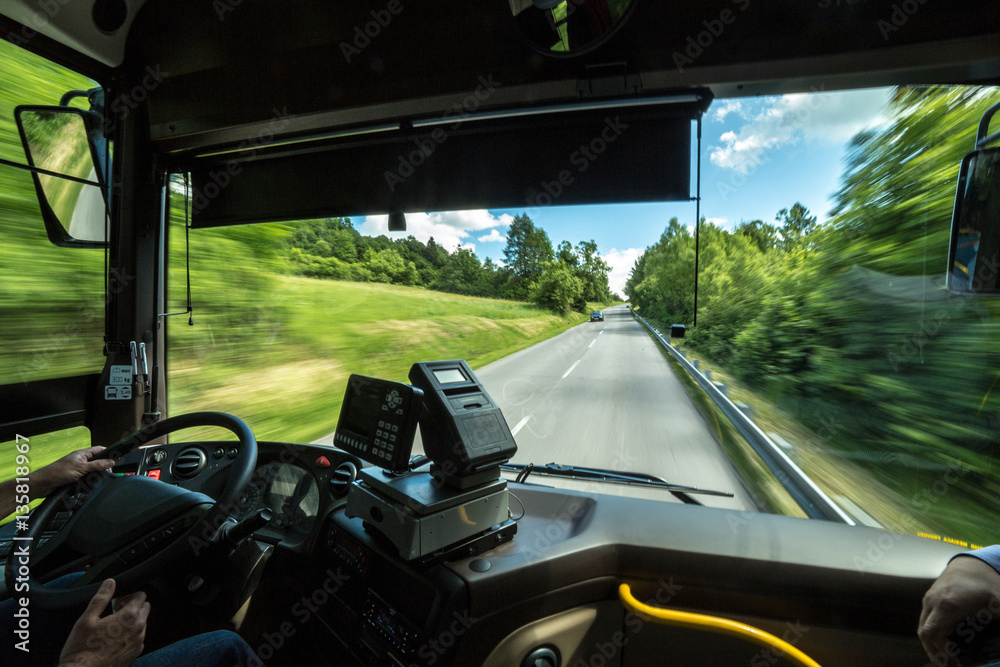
[(680, 491)]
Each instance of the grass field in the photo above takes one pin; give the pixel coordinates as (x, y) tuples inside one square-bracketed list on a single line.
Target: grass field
[(285, 370)]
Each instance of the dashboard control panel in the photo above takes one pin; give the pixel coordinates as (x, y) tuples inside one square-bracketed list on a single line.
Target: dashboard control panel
[(378, 420)]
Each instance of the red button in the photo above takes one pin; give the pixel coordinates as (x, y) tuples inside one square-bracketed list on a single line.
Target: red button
[(322, 462), (155, 474)]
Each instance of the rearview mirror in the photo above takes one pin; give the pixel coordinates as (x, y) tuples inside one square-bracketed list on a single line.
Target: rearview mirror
[(569, 27), (68, 154), (974, 253)]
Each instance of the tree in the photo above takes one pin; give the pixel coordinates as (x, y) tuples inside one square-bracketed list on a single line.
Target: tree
[(527, 251), (592, 272), (557, 288), (463, 274), (566, 255), (342, 245), (763, 235), (387, 266), (662, 280), (796, 224), (436, 255)]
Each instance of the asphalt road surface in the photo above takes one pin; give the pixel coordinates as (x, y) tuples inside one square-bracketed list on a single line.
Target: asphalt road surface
[(602, 395)]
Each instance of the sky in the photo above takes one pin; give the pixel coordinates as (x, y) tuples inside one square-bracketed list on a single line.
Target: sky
[(758, 155)]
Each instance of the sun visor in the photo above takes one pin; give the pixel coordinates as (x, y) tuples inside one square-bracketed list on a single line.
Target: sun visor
[(637, 154)]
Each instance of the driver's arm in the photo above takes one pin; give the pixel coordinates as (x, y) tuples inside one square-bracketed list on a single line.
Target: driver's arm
[(44, 481), (969, 584)]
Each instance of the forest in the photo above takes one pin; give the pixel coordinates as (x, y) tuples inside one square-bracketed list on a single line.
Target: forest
[(559, 279), (847, 326)]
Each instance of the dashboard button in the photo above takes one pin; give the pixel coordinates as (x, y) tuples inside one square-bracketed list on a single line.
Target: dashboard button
[(232, 453), (219, 452), (322, 462)]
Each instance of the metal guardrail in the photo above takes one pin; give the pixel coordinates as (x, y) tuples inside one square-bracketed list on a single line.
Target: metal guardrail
[(815, 503)]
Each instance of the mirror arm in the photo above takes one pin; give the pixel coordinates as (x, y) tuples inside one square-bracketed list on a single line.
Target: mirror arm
[(984, 126), (46, 172), (71, 95)]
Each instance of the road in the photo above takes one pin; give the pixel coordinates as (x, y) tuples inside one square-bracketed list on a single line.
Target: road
[(88, 213), (602, 395)]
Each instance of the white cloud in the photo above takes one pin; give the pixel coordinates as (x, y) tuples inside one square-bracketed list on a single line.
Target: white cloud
[(785, 121), (450, 229), (493, 237), (718, 222), (621, 262), (729, 106)]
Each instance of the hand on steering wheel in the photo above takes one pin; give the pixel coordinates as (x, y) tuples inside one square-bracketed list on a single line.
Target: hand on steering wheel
[(127, 527)]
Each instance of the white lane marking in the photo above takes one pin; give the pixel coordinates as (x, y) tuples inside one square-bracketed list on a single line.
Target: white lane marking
[(591, 343), (602, 331), (519, 425), (570, 369)]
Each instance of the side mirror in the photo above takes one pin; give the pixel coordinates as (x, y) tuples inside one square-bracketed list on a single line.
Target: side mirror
[(67, 150), (974, 253)]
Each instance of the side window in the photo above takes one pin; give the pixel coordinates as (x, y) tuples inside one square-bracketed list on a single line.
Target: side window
[(51, 298)]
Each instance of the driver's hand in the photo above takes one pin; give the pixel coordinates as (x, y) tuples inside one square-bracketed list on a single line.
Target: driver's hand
[(112, 641), (967, 586), (68, 469)]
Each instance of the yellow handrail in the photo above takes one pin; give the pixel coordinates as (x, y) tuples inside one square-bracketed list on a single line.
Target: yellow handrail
[(715, 624)]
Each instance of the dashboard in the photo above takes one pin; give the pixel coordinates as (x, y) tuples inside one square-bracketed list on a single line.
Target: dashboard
[(350, 599), (297, 483)]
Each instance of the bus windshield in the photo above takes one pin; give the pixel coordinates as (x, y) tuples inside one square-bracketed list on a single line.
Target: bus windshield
[(821, 313)]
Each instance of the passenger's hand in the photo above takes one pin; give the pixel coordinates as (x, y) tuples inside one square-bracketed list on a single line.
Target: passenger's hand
[(966, 587), (112, 641), (68, 469)]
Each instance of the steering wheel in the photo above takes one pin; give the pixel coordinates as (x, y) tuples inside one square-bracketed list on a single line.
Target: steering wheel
[(129, 528)]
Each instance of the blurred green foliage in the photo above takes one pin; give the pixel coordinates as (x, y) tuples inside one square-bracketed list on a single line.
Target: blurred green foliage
[(847, 327), (51, 299)]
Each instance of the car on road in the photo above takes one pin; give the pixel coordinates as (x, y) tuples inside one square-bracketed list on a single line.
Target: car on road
[(597, 316)]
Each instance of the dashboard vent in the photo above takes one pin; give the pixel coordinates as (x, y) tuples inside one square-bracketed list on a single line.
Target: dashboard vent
[(189, 463), (343, 476)]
